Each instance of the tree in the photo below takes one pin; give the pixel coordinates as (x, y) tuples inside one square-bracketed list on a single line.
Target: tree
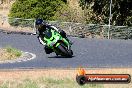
[(68, 14), (121, 10)]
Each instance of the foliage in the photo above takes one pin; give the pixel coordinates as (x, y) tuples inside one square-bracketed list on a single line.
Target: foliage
[(121, 10), (2, 1), (65, 13), (69, 14), (44, 9), (90, 16)]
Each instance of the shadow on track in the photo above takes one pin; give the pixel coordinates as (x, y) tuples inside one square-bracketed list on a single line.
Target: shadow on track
[(60, 57)]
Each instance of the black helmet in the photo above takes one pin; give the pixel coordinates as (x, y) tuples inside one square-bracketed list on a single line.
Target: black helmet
[(40, 23)]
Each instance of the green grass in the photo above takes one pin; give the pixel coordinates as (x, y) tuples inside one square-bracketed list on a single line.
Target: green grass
[(14, 51), (47, 83), (9, 53)]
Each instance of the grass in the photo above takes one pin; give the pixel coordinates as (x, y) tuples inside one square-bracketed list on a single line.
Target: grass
[(9, 53), (65, 83), (47, 83), (17, 84), (14, 51)]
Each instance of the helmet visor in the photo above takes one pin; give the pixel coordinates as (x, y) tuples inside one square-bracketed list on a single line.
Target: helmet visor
[(39, 26)]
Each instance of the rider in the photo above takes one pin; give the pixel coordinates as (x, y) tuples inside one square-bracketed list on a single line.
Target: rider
[(41, 27)]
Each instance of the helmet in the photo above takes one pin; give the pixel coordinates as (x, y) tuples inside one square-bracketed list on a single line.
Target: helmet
[(39, 24)]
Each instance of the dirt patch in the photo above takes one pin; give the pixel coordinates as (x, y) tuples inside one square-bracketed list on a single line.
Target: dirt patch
[(17, 29), (4, 55)]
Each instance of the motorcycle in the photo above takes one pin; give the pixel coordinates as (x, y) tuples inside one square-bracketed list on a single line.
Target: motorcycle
[(57, 43)]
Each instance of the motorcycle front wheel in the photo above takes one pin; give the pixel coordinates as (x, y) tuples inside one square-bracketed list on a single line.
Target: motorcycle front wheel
[(64, 52)]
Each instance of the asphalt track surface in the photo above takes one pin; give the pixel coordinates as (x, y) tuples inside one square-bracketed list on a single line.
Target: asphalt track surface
[(94, 53)]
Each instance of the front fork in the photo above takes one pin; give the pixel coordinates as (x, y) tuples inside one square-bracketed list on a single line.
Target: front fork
[(65, 42)]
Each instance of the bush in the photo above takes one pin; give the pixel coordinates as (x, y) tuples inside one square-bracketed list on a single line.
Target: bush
[(44, 9)]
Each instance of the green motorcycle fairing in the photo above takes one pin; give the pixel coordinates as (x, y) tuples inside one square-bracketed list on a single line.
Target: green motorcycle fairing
[(51, 38)]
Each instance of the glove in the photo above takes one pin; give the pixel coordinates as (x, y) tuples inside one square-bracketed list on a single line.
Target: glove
[(63, 34)]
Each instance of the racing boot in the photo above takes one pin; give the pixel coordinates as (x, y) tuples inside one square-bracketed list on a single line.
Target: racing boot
[(47, 50)]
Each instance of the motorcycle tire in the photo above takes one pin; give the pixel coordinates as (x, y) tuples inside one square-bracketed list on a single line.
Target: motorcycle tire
[(62, 50)]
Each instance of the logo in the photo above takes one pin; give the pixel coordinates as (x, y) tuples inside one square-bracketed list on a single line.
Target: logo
[(83, 78)]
